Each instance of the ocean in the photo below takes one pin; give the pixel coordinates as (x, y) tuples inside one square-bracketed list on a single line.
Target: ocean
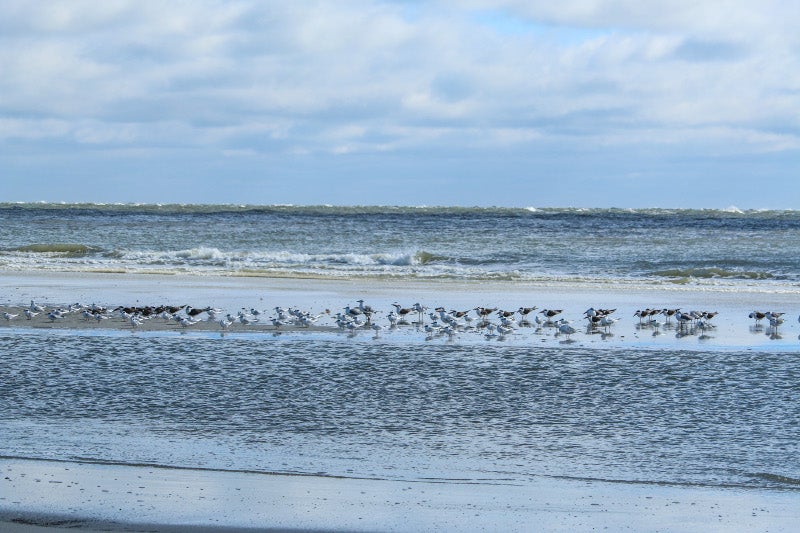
[(395, 406), (604, 246)]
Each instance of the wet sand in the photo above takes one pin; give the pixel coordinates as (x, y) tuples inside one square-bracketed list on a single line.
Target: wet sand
[(70, 495)]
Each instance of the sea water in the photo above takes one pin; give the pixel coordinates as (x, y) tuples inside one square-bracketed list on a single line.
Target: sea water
[(611, 246), (387, 407)]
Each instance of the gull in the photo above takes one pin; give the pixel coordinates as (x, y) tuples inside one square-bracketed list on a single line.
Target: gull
[(55, 314), (420, 309), (367, 310), (185, 322), (306, 319), (566, 329), (775, 319), (9, 316), (377, 328), (243, 319), (506, 322), (504, 330), (607, 322)]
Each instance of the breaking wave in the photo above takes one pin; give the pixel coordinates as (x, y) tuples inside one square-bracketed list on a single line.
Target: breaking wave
[(712, 273)]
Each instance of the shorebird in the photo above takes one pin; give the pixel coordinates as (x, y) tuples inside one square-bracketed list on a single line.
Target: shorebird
[(758, 316), (484, 312), (549, 313), (55, 314), (36, 308), (192, 312), (352, 312), (9, 316), (775, 319), (366, 309), (504, 330), (30, 314), (683, 318), (525, 311), (185, 322), (566, 329), (419, 308)]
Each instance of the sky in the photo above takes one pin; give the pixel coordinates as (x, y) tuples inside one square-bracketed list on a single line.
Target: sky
[(583, 103)]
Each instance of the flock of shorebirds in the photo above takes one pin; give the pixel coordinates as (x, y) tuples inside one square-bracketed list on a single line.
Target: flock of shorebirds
[(490, 321)]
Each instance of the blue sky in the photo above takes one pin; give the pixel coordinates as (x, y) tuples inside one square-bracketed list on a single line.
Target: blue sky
[(592, 103)]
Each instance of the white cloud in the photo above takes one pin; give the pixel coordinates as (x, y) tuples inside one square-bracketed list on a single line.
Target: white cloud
[(350, 77)]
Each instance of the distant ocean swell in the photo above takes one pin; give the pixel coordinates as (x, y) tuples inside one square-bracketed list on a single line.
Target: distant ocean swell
[(134, 208)]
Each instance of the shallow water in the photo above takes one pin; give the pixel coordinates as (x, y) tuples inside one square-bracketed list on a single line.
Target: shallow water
[(400, 410)]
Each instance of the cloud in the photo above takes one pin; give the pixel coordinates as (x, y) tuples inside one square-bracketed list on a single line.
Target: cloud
[(243, 78)]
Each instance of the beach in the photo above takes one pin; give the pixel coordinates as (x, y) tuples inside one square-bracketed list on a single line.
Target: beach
[(91, 497), (95, 496), (116, 416)]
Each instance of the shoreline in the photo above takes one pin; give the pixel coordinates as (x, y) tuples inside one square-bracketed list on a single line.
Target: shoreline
[(93, 497)]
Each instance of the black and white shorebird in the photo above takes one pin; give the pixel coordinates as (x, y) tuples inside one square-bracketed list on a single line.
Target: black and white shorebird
[(550, 313), (402, 312)]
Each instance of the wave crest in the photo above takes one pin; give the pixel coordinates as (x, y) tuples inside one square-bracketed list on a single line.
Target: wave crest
[(65, 249), (711, 273)]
